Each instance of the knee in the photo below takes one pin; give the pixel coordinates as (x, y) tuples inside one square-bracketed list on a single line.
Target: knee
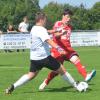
[(73, 59), (31, 75)]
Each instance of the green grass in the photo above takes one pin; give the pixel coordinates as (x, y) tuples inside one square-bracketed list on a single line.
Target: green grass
[(13, 65)]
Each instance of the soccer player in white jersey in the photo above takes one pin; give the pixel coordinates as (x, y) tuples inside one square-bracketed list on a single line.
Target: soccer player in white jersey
[(40, 55)]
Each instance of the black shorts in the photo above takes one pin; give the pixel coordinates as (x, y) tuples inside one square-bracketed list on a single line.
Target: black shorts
[(49, 62)]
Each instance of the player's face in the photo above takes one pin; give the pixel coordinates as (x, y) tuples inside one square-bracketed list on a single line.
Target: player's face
[(66, 18)]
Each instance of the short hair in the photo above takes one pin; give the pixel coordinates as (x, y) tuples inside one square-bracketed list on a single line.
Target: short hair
[(67, 12), (39, 16)]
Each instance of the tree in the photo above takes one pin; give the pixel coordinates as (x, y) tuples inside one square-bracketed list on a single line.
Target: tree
[(12, 11), (94, 15), (53, 11)]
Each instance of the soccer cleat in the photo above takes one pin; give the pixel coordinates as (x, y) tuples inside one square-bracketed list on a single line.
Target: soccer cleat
[(90, 75), (9, 90), (43, 85)]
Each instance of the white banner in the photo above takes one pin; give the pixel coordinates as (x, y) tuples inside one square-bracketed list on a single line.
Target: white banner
[(23, 41), (15, 41), (85, 39)]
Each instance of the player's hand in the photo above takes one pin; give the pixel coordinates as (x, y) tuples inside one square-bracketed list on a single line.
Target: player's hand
[(62, 53)]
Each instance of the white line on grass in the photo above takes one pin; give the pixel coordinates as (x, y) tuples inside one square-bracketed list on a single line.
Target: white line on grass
[(11, 67), (14, 67)]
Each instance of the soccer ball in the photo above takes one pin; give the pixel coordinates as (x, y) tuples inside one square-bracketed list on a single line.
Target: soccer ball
[(82, 86)]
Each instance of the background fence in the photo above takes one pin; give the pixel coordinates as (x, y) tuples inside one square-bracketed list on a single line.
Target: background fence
[(22, 41)]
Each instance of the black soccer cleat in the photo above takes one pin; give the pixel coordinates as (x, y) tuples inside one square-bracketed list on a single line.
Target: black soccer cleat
[(9, 90)]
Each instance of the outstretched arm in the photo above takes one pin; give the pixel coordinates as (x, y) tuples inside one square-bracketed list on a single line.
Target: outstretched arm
[(58, 32), (54, 45)]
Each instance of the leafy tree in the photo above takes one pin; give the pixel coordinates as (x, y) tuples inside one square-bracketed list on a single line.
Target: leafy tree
[(94, 15), (12, 11), (53, 11), (82, 19)]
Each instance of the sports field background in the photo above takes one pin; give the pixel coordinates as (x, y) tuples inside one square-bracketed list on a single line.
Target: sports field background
[(14, 65)]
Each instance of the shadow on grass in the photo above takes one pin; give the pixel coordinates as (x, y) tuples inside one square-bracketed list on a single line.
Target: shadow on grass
[(63, 89), (91, 84), (6, 65)]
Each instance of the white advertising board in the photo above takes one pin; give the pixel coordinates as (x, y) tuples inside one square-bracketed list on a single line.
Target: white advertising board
[(23, 41), (85, 39), (15, 41)]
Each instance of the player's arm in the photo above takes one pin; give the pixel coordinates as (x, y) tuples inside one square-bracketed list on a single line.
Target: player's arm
[(58, 31), (58, 34), (45, 38), (51, 31), (54, 45)]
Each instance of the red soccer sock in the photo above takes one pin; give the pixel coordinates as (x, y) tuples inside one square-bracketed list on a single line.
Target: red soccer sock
[(51, 75), (80, 68)]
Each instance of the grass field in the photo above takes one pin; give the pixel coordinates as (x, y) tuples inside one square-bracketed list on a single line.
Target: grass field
[(13, 65)]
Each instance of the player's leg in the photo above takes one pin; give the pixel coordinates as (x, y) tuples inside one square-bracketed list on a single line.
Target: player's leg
[(66, 76), (61, 70), (51, 75), (81, 68), (25, 78), (76, 61)]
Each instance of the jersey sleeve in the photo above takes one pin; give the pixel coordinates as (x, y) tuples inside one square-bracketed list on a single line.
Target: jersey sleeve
[(44, 35), (57, 26)]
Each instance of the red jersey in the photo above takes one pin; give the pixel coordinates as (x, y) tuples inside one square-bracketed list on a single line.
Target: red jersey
[(63, 41)]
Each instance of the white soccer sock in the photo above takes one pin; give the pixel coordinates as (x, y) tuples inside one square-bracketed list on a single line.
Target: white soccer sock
[(21, 81), (69, 78)]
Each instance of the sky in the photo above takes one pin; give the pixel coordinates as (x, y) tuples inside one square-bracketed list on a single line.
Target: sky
[(87, 3)]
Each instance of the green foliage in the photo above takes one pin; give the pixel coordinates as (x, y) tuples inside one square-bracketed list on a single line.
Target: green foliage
[(12, 11), (94, 15), (53, 12), (82, 19)]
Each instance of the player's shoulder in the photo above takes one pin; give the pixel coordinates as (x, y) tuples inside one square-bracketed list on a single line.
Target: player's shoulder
[(43, 28), (58, 23), (39, 29)]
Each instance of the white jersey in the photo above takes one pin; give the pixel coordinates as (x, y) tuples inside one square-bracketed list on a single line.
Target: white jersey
[(23, 27), (39, 48)]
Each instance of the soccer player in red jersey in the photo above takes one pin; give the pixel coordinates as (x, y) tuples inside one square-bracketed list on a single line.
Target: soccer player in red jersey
[(61, 35)]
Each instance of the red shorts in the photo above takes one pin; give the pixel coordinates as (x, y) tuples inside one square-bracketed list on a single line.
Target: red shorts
[(60, 57)]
